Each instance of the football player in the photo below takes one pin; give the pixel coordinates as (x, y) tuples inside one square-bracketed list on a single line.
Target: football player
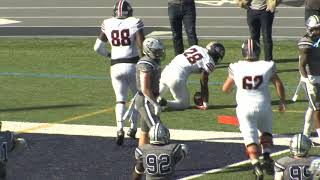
[(309, 67), (174, 77), (158, 159), (252, 77), (124, 33), (147, 77), (9, 141), (297, 165)]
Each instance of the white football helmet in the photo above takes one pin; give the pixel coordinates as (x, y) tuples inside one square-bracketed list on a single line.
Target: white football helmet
[(300, 145), (312, 23), (159, 134), (153, 48), (315, 169)]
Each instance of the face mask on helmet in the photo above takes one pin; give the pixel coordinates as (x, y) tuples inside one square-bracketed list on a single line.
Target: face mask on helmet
[(216, 51), (299, 145), (250, 50), (159, 134), (153, 48), (313, 26), (122, 9)]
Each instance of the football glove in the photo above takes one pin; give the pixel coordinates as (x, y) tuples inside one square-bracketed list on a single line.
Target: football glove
[(204, 106)]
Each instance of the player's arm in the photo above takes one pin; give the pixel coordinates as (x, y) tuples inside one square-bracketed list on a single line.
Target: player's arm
[(303, 59), (278, 171), (204, 89), (100, 47), (138, 168), (280, 91), (229, 82), (145, 81), (139, 39)]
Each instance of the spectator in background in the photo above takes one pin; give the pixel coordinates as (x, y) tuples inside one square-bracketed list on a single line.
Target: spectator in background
[(260, 15), (182, 11), (312, 7)]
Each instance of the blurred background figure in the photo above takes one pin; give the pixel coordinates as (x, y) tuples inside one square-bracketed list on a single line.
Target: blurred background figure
[(182, 11), (312, 7)]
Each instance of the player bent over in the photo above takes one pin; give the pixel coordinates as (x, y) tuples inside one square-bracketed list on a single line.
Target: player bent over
[(158, 159), (252, 77), (296, 166), (196, 60), (125, 35)]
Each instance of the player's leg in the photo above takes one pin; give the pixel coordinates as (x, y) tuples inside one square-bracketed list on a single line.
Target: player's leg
[(189, 22), (308, 123), (135, 114), (120, 87), (163, 87), (264, 116), (249, 132), (180, 93)]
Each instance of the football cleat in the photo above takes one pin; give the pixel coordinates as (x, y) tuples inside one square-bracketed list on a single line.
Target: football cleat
[(257, 171), (132, 133), (268, 165), (120, 137)]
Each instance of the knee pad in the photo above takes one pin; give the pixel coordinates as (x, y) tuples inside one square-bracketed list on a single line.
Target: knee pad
[(266, 139)]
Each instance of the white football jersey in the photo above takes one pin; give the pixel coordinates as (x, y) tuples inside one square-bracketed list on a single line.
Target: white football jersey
[(252, 81), (193, 60), (121, 34)]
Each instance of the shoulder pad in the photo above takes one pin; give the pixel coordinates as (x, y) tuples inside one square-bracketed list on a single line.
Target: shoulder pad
[(305, 42)]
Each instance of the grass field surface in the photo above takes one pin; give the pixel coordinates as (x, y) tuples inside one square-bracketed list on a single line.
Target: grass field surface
[(65, 81)]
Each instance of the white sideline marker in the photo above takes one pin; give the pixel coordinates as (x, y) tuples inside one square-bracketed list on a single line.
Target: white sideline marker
[(158, 33), (8, 21)]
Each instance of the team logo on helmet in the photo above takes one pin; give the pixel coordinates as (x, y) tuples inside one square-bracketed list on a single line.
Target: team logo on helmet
[(122, 9), (216, 51), (250, 49)]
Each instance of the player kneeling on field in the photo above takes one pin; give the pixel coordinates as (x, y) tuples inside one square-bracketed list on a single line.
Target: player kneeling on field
[(8, 142), (252, 77), (297, 165), (194, 60), (158, 159)]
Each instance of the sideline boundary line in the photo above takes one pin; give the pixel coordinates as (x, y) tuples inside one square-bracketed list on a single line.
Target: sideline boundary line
[(212, 171)]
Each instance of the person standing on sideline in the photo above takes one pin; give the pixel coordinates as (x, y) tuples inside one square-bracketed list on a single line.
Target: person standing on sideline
[(182, 11), (312, 7), (125, 35), (252, 77), (260, 15)]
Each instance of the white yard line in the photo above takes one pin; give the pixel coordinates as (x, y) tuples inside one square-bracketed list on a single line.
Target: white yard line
[(143, 17), (109, 131)]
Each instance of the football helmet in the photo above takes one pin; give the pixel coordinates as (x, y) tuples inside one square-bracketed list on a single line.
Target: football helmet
[(312, 23), (197, 98), (299, 145), (216, 51), (315, 169), (122, 9), (159, 134), (250, 49), (153, 48)]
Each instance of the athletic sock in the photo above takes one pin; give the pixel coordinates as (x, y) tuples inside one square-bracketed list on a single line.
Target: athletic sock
[(308, 122), (120, 110)]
